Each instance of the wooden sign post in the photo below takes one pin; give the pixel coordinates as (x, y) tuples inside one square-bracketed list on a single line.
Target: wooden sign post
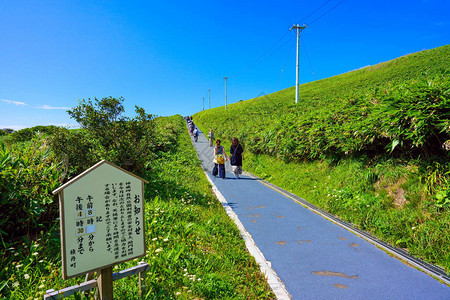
[(102, 222), (105, 283)]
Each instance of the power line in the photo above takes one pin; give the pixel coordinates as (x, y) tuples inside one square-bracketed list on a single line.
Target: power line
[(326, 12), (289, 54), (311, 13), (307, 56), (275, 51), (262, 57), (273, 46)]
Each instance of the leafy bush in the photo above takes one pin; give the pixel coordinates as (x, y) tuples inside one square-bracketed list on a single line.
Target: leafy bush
[(5, 131), (27, 134), (27, 177), (126, 142), (443, 199), (415, 115), (75, 150)]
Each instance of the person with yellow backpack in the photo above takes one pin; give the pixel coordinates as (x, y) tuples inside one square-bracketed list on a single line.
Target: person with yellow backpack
[(219, 160)]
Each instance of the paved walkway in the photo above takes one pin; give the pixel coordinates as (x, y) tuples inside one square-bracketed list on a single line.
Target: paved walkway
[(312, 257)]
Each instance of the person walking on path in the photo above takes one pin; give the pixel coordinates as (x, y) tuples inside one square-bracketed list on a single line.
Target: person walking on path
[(191, 128), (237, 156), (211, 137), (195, 135), (219, 160)]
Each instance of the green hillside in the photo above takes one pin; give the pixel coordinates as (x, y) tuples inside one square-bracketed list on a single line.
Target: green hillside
[(370, 146), (403, 102)]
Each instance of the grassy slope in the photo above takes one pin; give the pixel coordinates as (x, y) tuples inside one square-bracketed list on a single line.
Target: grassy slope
[(360, 189), (325, 92), (193, 248)]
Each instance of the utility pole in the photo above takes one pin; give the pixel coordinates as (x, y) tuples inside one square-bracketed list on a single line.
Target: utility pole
[(203, 103), (209, 98), (225, 91), (299, 30)]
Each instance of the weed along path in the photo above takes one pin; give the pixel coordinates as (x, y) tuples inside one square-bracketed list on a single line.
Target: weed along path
[(306, 256)]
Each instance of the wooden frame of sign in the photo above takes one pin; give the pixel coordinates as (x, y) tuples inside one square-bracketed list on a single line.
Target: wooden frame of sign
[(102, 220)]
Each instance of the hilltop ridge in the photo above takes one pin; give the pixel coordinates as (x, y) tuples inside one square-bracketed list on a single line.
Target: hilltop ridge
[(358, 105), (370, 146)]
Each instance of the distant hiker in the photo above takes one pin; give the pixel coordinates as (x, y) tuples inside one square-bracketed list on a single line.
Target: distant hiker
[(191, 128), (219, 160), (195, 135), (237, 156), (211, 137)]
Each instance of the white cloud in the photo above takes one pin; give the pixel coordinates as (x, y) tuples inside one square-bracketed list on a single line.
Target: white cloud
[(14, 127), (53, 107), (13, 102), (66, 125)]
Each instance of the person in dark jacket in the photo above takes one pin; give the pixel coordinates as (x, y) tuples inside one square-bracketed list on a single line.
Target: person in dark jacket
[(195, 134), (237, 156)]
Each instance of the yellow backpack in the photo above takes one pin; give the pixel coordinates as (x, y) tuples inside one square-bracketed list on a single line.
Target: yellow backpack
[(220, 159)]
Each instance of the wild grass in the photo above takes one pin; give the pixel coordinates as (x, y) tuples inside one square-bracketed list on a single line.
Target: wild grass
[(193, 248), (365, 195), (370, 146)]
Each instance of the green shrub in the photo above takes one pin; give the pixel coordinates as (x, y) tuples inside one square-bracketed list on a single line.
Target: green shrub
[(126, 142), (5, 131), (75, 150), (28, 175), (27, 134), (415, 115)]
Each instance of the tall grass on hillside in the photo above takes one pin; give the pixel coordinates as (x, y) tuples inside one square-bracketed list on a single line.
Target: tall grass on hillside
[(371, 146), (402, 104), (386, 198)]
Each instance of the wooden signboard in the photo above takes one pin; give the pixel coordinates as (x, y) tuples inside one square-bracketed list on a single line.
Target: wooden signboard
[(102, 219)]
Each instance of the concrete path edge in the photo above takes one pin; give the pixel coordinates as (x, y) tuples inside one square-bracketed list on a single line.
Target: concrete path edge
[(273, 280), (400, 254)]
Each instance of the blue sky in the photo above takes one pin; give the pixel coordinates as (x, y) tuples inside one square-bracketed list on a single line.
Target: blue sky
[(165, 55)]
